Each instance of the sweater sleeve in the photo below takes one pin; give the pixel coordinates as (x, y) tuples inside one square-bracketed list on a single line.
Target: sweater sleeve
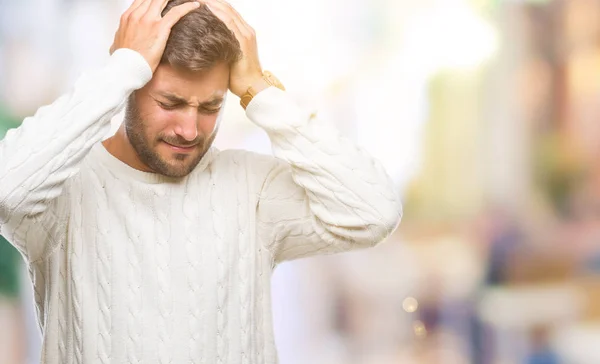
[(325, 194), (39, 157)]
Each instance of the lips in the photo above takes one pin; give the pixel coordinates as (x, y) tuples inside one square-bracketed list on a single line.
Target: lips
[(180, 148)]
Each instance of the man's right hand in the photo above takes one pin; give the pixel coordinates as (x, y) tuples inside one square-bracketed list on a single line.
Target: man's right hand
[(143, 30)]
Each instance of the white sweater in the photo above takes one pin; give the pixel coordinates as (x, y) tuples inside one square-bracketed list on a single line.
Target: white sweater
[(134, 267)]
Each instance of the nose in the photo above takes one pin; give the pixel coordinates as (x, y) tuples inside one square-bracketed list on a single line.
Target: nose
[(187, 125)]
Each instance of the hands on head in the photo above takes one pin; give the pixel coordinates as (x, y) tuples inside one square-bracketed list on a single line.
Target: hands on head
[(144, 30)]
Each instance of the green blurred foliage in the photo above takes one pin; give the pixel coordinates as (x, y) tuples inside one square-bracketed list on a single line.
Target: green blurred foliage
[(9, 256)]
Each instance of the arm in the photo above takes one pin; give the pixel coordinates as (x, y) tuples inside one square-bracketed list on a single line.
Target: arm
[(325, 195), (38, 158)]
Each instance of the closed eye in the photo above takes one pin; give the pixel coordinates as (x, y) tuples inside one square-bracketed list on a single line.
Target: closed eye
[(203, 109), (210, 111), (168, 106)]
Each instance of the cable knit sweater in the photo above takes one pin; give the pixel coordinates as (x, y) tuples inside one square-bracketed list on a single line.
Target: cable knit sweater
[(134, 267)]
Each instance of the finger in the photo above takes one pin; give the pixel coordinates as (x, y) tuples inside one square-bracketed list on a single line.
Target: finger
[(239, 19), (224, 7), (230, 17), (178, 12), (162, 8), (244, 25), (235, 28), (219, 11), (241, 28), (142, 9), (230, 9), (157, 6), (132, 8), (134, 5)]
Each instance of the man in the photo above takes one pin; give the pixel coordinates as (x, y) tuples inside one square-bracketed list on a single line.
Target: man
[(152, 246)]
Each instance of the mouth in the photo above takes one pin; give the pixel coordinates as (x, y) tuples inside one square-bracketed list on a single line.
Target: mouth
[(181, 149)]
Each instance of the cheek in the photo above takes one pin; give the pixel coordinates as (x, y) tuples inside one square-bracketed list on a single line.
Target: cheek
[(158, 125), (209, 124)]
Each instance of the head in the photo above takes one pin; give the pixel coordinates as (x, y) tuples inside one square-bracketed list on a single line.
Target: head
[(172, 121)]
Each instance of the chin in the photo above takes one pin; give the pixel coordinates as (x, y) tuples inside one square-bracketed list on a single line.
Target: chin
[(176, 171), (178, 165)]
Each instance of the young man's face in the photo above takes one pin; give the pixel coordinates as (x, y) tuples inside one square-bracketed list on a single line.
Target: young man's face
[(173, 120)]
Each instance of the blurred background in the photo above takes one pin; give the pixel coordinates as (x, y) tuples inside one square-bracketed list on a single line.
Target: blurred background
[(485, 113)]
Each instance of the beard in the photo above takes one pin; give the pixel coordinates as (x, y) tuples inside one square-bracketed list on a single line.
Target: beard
[(173, 165)]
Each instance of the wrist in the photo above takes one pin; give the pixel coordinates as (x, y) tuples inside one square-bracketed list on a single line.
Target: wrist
[(241, 84), (257, 85)]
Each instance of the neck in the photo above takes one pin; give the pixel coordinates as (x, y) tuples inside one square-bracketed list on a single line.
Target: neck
[(119, 146)]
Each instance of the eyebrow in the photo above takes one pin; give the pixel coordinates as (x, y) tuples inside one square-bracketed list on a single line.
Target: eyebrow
[(216, 100)]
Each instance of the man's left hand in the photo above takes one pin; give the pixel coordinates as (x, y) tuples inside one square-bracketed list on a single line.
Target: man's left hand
[(247, 71)]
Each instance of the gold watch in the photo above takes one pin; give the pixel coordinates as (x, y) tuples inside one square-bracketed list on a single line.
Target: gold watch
[(270, 79)]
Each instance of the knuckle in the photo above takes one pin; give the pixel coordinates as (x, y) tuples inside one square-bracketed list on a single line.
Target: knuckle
[(135, 16), (124, 18), (164, 27), (146, 20)]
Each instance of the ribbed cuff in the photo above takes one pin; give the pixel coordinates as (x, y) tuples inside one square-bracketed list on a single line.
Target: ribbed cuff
[(274, 109), (131, 66)]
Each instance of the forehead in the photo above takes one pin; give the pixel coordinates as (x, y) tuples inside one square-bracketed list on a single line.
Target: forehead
[(190, 85)]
